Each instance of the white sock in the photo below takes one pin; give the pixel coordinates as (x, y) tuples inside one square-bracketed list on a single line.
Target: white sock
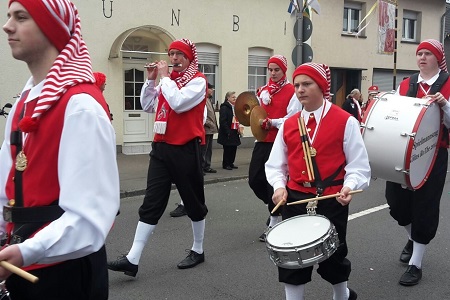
[(340, 291), (408, 230), (294, 292), (417, 255), (143, 232), (198, 230), (273, 221)]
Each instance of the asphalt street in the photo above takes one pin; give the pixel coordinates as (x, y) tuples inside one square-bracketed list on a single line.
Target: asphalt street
[(237, 265)]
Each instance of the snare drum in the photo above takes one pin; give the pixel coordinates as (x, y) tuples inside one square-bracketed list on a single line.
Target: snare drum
[(401, 135), (301, 241)]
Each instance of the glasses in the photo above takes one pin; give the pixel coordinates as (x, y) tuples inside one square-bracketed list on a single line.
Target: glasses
[(176, 53)]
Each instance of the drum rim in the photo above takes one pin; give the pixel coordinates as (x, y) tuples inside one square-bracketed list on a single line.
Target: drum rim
[(409, 148)]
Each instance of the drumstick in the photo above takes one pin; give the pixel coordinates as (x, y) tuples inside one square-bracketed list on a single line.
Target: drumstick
[(323, 197), (305, 147), (18, 271), (277, 206), (303, 126)]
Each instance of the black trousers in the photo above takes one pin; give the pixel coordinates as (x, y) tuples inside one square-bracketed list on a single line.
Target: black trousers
[(257, 174), (207, 151), (176, 164), (337, 267), (420, 208), (229, 156), (82, 278)]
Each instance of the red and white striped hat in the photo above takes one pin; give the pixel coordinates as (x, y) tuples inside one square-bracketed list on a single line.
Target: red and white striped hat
[(320, 73), (60, 23), (280, 60), (437, 49)]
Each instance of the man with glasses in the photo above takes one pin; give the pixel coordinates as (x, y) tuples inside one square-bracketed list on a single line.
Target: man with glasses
[(179, 102)]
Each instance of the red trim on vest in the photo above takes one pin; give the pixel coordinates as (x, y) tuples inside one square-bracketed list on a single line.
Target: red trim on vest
[(328, 143)]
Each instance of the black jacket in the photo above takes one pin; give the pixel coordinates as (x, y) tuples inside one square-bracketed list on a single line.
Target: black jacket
[(227, 136), (350, 107)]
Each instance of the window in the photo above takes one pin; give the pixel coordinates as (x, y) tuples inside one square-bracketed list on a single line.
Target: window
[(208, 64), (134, 80), (410, 20), (210, 72), (257, 68), (352, 17)]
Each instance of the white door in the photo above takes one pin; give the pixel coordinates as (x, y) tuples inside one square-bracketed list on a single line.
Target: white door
[(137, 123)]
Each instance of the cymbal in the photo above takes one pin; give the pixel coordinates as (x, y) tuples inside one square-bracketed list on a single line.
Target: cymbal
[(257, 115), (245, 102)]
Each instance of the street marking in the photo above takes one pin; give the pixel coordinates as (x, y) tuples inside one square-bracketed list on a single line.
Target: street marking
[(367, 211)]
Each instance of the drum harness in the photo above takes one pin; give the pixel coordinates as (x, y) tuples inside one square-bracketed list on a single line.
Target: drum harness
[(318, 183), (27, 220)]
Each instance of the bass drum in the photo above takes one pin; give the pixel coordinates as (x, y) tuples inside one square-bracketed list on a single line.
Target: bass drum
[(401, 135)]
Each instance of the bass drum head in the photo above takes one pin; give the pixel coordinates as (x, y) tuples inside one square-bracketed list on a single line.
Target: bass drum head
[(298, 231), (423, 149)]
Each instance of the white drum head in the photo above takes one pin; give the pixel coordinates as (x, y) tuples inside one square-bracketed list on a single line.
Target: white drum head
[(298, 231)]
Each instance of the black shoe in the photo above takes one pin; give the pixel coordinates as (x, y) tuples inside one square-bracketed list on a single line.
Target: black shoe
[(178, 212), (209, 170), (412, 276), (262, 237), (191, 260), (122, 264), (234, 167), (407, 252), (227, 168), (353, 295)]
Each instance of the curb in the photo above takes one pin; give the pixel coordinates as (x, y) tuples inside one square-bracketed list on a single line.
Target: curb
[(126, 194)]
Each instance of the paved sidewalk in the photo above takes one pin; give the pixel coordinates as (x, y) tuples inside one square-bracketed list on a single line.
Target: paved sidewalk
[(133, 170)]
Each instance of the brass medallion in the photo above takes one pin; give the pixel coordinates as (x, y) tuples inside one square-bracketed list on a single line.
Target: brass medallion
[(21, 161), (313, 151)]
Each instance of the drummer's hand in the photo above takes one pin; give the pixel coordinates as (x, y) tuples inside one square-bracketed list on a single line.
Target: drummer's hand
[(345, 198), (12, 255), (439, 98), (280, 194)]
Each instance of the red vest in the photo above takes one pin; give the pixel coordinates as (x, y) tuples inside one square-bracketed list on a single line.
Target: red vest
[(329, 145), (278, 108), (186, 126), (40, 182)]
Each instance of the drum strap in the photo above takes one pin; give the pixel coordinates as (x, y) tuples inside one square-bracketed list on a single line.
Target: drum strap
[(436, 87), (329, 181)]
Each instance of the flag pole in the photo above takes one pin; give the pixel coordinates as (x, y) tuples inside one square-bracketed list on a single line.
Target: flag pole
[(394, 83), (299, 31)]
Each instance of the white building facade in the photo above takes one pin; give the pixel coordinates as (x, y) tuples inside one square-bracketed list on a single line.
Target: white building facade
[(234, 40)]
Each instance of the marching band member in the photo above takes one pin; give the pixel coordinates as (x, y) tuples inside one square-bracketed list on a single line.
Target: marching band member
[(180, 100), (59, 172), (278, 99), (418, 211), (372, 92), (342, 164)]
